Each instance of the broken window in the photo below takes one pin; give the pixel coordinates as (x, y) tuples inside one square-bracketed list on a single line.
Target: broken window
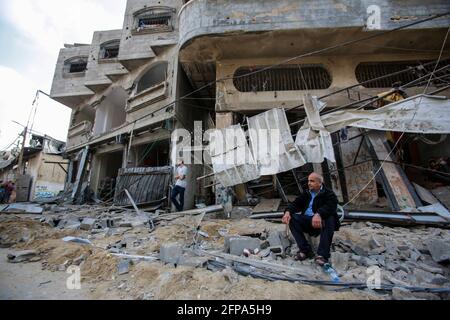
[(372, 70), (156, 19), (110, 50), (153, 77), (282, 78), (76, 65)]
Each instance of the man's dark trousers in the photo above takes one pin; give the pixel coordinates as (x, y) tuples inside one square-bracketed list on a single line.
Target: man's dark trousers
[(175, 192), (301, 224)]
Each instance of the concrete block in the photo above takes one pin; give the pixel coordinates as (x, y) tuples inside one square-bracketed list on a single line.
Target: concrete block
[(70, 224), (87, 224), (171, 253), (195, 262), (238, 245), (124, 267), (440, 250), (274, 239)]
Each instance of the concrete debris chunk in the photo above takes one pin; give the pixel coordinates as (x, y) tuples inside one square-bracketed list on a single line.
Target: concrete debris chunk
[(87, 224), (77, 240), (171, 253), (23, 256), (440, 250), (195, 262)]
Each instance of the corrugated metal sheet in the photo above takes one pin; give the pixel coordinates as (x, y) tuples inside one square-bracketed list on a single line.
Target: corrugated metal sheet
[(145, 185), (231, 158), (272, 144)]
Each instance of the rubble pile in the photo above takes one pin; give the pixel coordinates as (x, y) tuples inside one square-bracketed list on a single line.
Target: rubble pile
[(124, 251)]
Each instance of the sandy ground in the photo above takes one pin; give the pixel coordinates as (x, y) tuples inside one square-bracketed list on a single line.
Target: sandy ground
[(46, 280), (26, 281)]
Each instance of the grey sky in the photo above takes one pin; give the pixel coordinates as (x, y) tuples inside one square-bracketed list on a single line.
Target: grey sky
[(32, 33)]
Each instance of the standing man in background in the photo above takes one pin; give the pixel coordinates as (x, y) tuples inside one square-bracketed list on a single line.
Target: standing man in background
[(180, 186)]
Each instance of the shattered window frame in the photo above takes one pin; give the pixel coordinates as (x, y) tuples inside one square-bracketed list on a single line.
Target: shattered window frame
[(76, 66), (154, 20), (109, 50)]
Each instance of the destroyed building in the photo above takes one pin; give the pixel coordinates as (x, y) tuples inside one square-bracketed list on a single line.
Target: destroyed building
[(44, 169), (226, 63)]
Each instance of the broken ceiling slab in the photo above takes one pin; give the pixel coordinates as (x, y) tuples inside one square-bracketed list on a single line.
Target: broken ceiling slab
[(418, 114), (272, 144), (231, 157), (314, 140)]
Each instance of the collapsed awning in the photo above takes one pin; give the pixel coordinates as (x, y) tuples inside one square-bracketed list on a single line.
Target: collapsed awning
[(419, 114), (272, 149)]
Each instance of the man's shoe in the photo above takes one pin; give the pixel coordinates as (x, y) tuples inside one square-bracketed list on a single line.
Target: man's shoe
[(301, 256), (321, 261)]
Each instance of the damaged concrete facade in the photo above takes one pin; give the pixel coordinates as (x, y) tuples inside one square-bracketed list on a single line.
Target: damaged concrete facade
[(125, 87)]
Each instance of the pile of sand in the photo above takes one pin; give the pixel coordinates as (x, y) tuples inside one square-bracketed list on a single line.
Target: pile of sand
[(162, 282)]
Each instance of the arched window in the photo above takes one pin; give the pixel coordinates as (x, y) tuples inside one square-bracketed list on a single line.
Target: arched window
[(282, 78), (76, 65), (153, 77), (154, 19), (110, 49)]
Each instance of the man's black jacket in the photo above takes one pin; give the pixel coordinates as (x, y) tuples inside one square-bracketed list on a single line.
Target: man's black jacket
[(325, 204)]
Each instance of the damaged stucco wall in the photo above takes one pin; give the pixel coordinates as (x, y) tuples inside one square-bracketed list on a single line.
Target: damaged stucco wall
[(69, 89), (206, 17), (341, 68), (137, 48), (48, 179), (101, 72)]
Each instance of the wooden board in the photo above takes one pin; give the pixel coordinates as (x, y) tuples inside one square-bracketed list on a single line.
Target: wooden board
[(267, 205)]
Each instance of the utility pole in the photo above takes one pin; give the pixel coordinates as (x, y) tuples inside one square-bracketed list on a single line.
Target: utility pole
[(21, 171)]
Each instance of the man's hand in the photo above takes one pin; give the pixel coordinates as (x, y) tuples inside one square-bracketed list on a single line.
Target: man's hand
[(287, 218), (317, 221)]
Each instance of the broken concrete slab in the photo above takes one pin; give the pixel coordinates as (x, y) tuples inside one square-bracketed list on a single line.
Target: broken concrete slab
[(77, 240), (171, 252), (340, 261), (87, 224), (360, 251), (70, 224), (22, 208), (239, 244), (23, 256), (440, 250)]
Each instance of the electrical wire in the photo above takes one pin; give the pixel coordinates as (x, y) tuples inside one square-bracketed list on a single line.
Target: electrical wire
[(312, 53), (403, 134)]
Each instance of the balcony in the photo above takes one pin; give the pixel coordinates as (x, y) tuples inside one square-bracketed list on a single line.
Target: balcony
[(103, 66), (146, 29)]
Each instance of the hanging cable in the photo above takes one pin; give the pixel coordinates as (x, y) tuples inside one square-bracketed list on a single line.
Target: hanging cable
[(403, 134)]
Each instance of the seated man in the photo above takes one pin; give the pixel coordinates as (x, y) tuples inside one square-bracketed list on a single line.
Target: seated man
[(315, 213)]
